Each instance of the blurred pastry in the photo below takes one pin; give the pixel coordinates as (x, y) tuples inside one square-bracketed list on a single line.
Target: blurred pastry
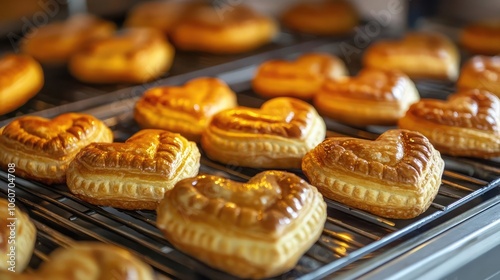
[(135, 55), (396, 176), (133, 175), (215, 30), (467, 124), (88, 261), (482, 37), (481, 72), (184, 109), (419, 55), (55, 42), (21, 78), (17, 232), (301, 78), (255, 230), (277, 135), (325, 17), (374, 97), (42, 149)]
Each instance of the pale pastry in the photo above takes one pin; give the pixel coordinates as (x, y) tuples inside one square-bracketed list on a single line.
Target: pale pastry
[(482, 37), (21, 78), (17, 233), (374, 97), (418, 55), (301, 78), (134, 55), (325, 17), (481, 72), (467, 124), (254, 230), (218, 30), (184, 109), (88, 261), (277, 135), (54, 43), (135, 174), (42, 149), (396, 176)]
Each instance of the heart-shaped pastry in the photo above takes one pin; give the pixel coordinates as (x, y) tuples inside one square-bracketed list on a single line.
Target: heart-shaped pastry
[(418, 55), (481, 72), (88, 261), (186, 109), (301, 78), (374, 97), (277, 135), (467, 124), (42, 149), (257, 229), (396, 176), (134, 174)]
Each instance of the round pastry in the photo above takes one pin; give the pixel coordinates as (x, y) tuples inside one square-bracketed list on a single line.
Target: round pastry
[(324, 17), (217, 30), (133, 175), (186, 109), (21, 78), (374, 97), (88, 261), (42, 149), (481, 72), (17, 235), (255, 230), (277, 135), (396, 176), (301, 78), (418, 55), (56, 42), (482, 37), (135, 55), (467, 124)]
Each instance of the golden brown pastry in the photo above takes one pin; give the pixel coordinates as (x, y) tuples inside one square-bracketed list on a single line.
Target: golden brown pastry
[(324, 17), (482, 37), (56, 42), (481, 72), (419, 55), (134, 55), (88, 261), (467, 124), (135, 174), (42, 149), (374, 97), (254, 230), (396, 176), (301, 78), (21, 78), (185, 109), (17, 234), (222, 31), (277, 135)]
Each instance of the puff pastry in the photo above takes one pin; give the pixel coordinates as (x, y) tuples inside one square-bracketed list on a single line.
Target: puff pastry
[(396, 176), (42, 149), (88, 261), (301, 78), (17, 237), (419, 55), (254, 230), (21, 78), (467, 124), (133, 175), (277, 135), (482, 37), (481, 72), (374, 97), (186, 109)]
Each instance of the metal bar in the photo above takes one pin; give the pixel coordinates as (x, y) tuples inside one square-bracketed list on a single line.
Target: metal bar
[(352, 228), (456, 186)]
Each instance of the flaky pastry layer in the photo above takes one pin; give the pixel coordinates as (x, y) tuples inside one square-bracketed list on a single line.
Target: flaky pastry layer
[(481, 72)]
